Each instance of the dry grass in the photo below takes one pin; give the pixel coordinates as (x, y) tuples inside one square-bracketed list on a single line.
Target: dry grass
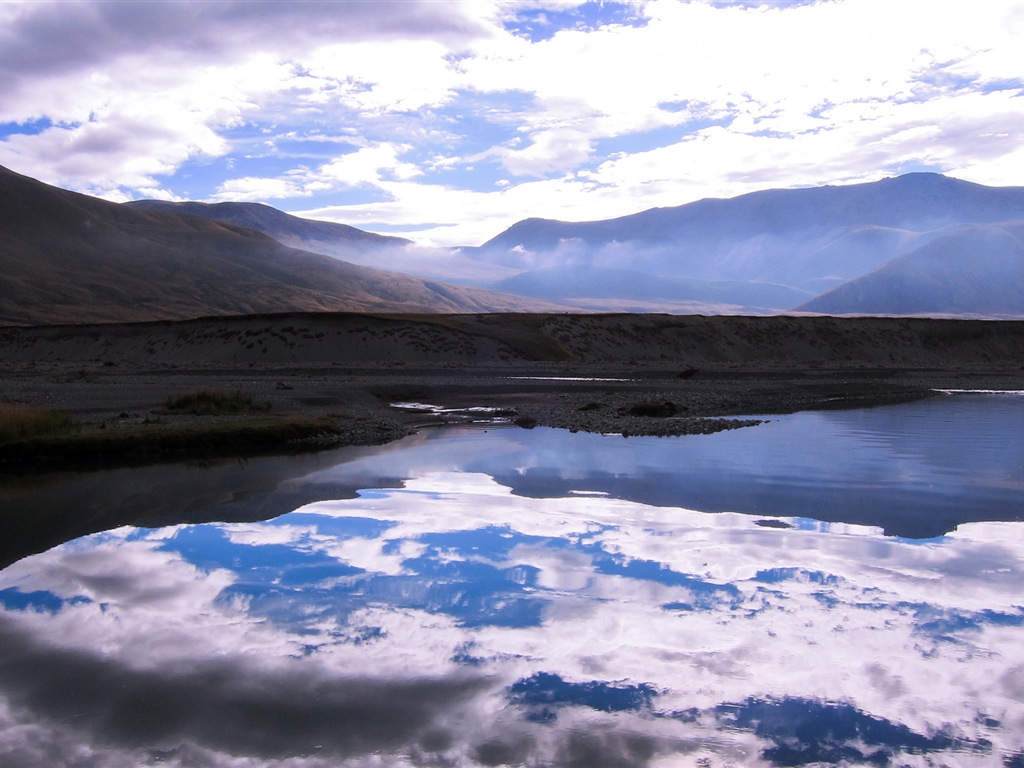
[(23, 422), (216, 402), (146, 443), (655, 409)]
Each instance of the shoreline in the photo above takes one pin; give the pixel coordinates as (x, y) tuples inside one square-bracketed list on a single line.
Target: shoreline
[(332, 379), (47, 501), (124, 420)]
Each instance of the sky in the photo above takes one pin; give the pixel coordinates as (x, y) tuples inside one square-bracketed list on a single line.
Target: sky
[(447, 121)]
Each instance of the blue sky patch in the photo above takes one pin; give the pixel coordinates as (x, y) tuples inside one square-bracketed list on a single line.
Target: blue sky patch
[(545, 691), (540, 24), (812, 732), (13, 599)]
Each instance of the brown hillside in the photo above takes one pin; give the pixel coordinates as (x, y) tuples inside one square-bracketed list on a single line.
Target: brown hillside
[(71, 258)]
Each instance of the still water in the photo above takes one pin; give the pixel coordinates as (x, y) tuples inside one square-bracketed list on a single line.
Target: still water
[(829, 588)]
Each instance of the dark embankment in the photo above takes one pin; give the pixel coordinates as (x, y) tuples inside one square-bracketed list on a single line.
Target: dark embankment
[(780, 342)]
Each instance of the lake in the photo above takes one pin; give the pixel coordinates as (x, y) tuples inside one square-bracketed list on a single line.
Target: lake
[(831, 587)]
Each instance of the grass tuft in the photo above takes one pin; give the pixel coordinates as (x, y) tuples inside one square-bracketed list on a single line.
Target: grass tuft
[(216, 402), (655, 409), (22, 422)]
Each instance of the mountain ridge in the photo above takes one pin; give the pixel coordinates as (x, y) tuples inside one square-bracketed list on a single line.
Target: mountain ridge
[(396, 254), (812, 240), (283, 227), (772, 210)]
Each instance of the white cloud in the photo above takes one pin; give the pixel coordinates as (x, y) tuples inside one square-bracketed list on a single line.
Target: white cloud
[(254, 189), (137, 90), (371, 165), (766, 68), (552, 150), (379, 79)]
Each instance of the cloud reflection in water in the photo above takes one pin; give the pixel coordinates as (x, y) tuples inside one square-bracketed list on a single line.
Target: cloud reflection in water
[(452, 622)]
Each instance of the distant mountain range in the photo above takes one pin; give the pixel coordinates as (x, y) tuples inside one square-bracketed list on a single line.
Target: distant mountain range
[(71, 258), (919, 243), (915, 244)]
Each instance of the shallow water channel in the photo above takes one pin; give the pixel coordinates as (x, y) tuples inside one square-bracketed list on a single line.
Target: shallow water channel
[(828, 588)]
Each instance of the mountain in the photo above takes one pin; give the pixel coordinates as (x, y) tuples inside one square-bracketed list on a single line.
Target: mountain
[(971, 270), (809, 240), (799, 237), (71, 258), (307, 234), (341, 241), (915, 244)]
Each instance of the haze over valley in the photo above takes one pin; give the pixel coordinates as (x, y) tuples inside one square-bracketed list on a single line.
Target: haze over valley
[(929, 244), (919, 244)]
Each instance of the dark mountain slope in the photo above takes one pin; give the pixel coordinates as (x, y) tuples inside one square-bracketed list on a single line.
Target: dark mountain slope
[(977, 270), (71, 258)]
